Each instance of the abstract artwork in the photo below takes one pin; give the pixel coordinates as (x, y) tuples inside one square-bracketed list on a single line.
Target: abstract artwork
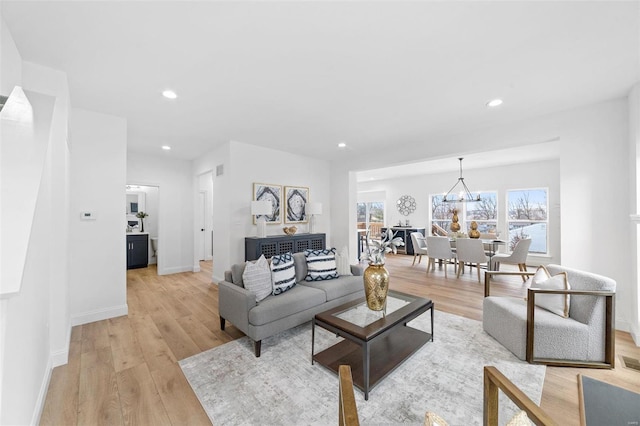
[(295, 199), (271, 193)]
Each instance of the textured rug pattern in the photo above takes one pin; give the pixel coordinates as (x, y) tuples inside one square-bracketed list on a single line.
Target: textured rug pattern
[(283, 388)]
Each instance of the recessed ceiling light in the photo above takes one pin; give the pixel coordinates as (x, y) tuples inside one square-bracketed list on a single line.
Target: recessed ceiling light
[(494, 103), (342, 145), (169, 94), (166, 147)]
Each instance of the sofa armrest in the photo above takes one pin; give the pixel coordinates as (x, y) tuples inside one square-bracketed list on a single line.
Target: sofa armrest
[(357, 270), (234, 304)]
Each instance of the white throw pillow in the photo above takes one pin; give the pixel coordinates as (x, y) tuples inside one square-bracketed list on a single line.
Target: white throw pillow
[(556, 303), (257, 278), (342, 262)]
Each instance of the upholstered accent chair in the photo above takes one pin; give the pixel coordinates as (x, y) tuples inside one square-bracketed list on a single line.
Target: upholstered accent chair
[(585, 338)]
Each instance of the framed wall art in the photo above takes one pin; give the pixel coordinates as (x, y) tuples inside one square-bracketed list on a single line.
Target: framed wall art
[(295, 199), (273, 194)]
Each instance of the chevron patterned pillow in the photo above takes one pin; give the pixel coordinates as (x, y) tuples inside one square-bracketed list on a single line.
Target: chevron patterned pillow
[(321, 264), (283, 273)]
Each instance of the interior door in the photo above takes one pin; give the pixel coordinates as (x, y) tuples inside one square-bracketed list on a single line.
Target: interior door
[(200, 230)]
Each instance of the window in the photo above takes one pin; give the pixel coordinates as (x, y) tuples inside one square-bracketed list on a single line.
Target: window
[(484, 212), (371, 213), (527, 217)]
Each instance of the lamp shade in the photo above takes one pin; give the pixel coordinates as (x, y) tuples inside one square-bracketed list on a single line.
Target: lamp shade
[(313, 208), (261, 207)]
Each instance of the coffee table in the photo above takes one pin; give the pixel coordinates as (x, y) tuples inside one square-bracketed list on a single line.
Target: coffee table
[(375, 342)]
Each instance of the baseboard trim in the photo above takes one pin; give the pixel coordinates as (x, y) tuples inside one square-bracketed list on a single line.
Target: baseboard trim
[(61, 357), (42, 394), (175, 270), (99, 315), (635, 335)]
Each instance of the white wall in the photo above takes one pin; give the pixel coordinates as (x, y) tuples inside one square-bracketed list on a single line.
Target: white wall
[(542, 174), (97, 247), (175, 203), (11, 63), (233, 192)]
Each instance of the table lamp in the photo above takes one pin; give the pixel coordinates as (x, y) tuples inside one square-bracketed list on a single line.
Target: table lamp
[(312, 209), (259, 209)]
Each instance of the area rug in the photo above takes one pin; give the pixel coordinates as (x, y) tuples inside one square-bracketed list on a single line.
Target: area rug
[(283, 388), (605, 404)]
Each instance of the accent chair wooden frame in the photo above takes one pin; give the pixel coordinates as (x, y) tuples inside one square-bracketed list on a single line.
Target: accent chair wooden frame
[(609, 341), (494, 381), (347, 409)]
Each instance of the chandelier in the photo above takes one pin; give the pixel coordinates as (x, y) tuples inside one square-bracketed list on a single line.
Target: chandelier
[(464, 195)]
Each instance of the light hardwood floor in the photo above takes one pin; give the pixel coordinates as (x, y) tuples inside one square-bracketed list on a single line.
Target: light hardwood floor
[(124, 370)]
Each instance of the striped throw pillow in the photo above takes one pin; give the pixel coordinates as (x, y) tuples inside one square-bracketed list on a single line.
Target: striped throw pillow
[(257, 278), (283, 273), (321, 264)]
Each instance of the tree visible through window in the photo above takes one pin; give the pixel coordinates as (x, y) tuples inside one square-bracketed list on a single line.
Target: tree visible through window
[(371, 213), (484, 212), (527, 217)]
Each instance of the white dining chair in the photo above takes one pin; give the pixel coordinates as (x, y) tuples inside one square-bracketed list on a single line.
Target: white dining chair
[(470, 250), (419, 246), (439, 248), (517, 257)]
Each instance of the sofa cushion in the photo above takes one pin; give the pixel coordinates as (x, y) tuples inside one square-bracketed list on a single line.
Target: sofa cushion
[(283, 273), (297, 299), (321, 264), (257, 278), (338, 287)]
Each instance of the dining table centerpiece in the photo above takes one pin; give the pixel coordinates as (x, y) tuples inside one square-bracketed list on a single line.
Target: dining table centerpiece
[(376, 276)]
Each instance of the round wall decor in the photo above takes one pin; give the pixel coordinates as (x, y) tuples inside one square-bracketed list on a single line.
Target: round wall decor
[(406, 205)]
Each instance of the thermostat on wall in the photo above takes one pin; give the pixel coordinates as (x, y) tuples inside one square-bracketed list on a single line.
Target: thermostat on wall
[(87, 216)]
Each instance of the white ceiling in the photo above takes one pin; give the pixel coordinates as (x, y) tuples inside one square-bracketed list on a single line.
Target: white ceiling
[(303, 76)]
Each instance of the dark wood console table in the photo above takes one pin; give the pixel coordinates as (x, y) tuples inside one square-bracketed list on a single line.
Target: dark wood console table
[(273, 245)]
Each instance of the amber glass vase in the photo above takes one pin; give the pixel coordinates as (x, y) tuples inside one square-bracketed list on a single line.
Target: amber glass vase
[(376, 286)]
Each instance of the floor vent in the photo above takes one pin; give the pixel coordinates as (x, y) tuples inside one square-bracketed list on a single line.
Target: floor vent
[(631, 363)]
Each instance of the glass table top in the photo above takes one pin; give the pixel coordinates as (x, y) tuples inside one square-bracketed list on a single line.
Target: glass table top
[(362, 316)]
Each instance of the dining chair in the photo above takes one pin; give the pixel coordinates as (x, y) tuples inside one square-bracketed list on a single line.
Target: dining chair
[(439, 248), (419, 246), (470, 250), (517, 257)]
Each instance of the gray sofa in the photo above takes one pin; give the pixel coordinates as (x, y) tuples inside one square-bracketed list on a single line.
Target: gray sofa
[(272, 315)]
